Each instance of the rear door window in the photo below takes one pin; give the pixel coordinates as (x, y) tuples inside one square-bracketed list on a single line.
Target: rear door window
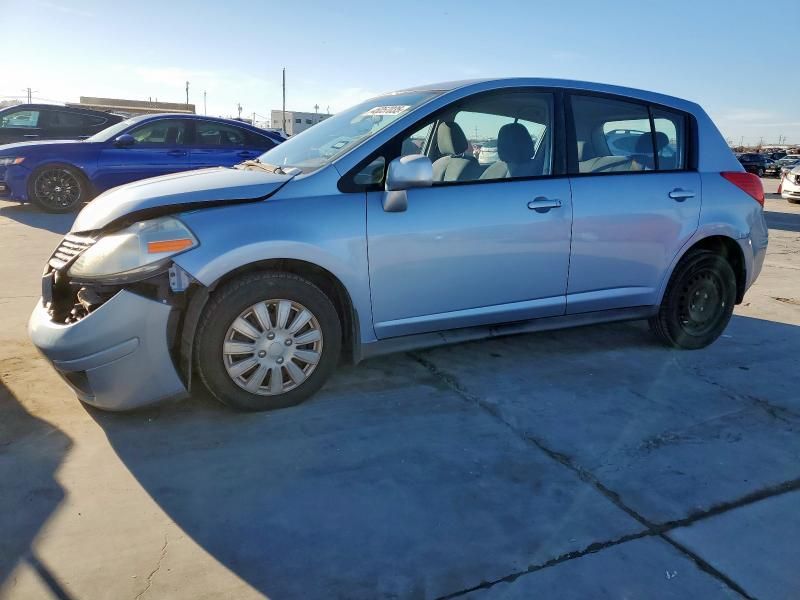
[(60, 120), (219, 134), (614, 135)]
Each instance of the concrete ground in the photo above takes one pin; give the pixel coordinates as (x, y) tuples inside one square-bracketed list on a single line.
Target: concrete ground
[(591, 463)]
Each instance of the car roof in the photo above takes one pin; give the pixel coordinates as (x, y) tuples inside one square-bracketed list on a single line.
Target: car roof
[(62, 107), (489, 83), (194, 117)]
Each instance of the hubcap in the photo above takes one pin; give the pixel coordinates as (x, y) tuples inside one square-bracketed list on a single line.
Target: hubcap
[(57, 188), (272, 347), (702, 303)]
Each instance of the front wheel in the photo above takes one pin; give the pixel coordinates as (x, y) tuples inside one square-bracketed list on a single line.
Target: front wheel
[(58, 189), (760, 172), (698, 303), (267, 340)]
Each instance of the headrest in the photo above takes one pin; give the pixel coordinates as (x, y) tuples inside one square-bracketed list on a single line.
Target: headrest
[(644, 145), (451, 139), (514, 143)]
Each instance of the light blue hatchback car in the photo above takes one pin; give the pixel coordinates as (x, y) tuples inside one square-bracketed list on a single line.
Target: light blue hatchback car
[(379, 230)]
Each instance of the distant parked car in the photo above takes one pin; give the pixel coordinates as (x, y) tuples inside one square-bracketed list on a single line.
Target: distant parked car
[(32, 122), (790, 185), (58, 176), (488, 153), (790, 160), (754, 163), (772, 167)]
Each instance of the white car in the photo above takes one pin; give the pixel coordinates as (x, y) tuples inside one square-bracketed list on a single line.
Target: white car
[(488, 153), (790, 185)]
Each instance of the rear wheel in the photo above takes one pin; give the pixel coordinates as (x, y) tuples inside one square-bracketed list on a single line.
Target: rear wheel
[(760, 172), (698, 303), (267, 340), (58, 189)]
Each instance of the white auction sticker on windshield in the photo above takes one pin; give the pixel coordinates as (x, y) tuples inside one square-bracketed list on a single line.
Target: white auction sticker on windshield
[(387, 110)]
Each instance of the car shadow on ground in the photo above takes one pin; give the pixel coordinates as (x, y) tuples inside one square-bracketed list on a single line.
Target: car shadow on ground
[(392, 482), (31, 451), (784, 221), (29, 215)]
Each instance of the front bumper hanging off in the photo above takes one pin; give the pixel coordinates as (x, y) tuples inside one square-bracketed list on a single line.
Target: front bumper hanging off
[(117, 357)]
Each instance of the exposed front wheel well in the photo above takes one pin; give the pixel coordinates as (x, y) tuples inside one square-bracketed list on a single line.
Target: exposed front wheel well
[(324, 280), (730, 250)]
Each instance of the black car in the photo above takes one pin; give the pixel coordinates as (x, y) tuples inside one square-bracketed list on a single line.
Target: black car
[(31, 122), (755, 163)]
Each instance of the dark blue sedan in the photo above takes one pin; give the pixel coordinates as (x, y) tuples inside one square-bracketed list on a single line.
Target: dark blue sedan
[(58, 176)]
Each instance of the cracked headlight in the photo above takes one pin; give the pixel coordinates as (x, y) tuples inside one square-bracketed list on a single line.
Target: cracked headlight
[(135, 252)]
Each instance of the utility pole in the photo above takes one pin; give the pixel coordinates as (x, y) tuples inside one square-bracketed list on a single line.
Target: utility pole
[(205, 112), (283, 116), (30, 94), (239, 108), (187, 94), (253, 123)]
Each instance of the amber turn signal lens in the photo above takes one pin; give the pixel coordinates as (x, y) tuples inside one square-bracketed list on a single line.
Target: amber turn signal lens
[(168, 246)]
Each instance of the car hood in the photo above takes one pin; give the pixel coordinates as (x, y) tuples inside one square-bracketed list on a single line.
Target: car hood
[(6, 149), (167, 194)]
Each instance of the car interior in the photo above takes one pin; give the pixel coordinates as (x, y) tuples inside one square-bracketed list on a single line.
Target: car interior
[(506, 118)]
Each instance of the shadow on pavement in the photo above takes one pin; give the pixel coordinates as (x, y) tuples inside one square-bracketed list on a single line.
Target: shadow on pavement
[(31, 451), (29, 215), (785, 221), (388, 482)]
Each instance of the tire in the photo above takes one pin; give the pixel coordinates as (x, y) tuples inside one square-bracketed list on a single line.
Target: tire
[(229, 359), (760, 172), (58, 189), (698, 303)]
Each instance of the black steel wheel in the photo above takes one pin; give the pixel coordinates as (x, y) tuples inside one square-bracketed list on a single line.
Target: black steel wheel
[(698, 303)]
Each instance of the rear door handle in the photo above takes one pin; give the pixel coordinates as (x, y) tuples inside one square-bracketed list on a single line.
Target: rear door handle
[(681, 195), (245, 153), (542, 204), (176, 153), (31, 135)]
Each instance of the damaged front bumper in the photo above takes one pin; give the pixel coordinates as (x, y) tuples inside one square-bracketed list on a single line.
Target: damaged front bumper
[(117, 357), (116, 345)]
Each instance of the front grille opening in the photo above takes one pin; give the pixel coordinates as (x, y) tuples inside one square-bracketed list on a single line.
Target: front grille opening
[(69, 249)]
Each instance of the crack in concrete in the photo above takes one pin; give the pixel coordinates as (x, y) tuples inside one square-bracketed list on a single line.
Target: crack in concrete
[(590, 549), (779, 413), (155, 570), (651, 529)]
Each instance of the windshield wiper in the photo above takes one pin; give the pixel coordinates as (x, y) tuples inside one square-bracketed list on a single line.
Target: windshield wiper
[(257, 164)]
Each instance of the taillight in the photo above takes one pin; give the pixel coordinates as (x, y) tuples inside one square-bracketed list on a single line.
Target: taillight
[(747, 182)]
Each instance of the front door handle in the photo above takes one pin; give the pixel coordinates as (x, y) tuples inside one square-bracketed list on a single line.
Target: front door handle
[(245, 153), (31, 135), (176, 153), (681, 195), (542, 204)]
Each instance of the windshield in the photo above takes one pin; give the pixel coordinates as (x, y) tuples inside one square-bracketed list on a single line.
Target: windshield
[(320, 144), (113, 131)]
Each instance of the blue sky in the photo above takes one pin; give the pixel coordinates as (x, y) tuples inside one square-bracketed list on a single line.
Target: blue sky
[(735, 59)]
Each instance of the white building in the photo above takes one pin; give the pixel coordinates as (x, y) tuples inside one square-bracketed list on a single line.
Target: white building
[(296, 121)]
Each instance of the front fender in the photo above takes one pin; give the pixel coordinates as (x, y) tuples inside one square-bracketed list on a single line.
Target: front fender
[(329, 232)]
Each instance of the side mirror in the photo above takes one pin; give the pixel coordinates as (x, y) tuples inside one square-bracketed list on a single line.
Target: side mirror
[(404, 173), (125, 141)]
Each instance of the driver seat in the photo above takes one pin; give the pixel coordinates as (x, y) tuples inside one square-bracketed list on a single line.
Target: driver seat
[(457, 164)]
